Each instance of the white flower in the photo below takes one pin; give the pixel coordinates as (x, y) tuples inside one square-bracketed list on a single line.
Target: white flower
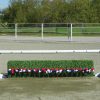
[(48, 71), (29, 70), (39, 71), (16, 70), (87, 70), (34, 70), (24, 70), (57, 71), (60, 71), (75, 70), (9, 69), (68, 70)]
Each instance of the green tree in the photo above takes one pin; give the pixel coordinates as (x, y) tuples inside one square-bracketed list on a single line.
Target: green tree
[(14, 13), (81, 11), (59, 11), (52, 11), (96, 7)]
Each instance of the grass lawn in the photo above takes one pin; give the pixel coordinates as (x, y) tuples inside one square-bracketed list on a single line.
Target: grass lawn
[(50, 88)]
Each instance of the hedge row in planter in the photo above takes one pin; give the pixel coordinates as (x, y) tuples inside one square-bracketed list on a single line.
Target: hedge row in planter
[(51, 64), (65, 65)]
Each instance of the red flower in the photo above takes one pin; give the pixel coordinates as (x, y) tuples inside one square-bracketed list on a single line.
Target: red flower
[(92, 69), (80, 69), (85, 69), (56, 69), (52, 68), (35, 70), (12, 71)]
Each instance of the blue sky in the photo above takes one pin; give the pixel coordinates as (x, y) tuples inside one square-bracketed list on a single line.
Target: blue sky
[(4, 4)]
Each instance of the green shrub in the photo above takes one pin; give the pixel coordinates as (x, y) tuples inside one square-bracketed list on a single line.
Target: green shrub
[(51, 64), (70, 68)]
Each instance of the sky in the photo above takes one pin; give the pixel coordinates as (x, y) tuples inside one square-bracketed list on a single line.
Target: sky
[(4, 4)]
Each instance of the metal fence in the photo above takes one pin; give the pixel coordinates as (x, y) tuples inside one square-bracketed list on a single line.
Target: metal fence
[(42, 30)]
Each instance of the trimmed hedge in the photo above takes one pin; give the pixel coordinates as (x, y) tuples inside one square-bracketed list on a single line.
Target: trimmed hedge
[(51, 64), (50, 68)]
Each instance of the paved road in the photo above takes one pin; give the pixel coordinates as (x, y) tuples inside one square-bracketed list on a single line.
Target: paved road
[(51, 39), (30, 44)]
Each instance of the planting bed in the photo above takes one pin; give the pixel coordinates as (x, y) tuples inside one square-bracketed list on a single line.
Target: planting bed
[(50, 68)]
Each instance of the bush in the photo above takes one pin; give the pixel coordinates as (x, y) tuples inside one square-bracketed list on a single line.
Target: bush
[(51, 64), (51, 68)]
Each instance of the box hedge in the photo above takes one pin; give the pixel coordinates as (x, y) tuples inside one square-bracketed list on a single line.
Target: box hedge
[(50, 68), (51, 64)]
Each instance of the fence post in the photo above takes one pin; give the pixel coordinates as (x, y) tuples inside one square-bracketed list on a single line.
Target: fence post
[(15, 30), (42, 31), (71, 31)]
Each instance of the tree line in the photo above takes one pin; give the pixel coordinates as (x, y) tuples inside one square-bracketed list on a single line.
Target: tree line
[(52, 11)]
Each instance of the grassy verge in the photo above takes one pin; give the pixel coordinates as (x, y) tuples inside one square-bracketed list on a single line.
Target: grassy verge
[(51, 31), (50, 88)]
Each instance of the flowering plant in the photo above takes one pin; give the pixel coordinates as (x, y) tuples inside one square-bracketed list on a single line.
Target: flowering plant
[(50, 72)]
